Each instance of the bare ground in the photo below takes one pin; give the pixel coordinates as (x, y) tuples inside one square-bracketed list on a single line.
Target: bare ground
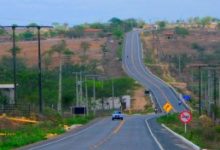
[(139, 100)]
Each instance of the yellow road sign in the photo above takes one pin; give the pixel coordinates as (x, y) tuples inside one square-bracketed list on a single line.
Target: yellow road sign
[(167, 107)]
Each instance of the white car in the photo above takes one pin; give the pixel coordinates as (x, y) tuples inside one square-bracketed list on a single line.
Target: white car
[(117, 115)]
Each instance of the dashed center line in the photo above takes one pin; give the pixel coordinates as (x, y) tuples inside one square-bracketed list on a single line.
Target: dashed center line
[(115, 131)]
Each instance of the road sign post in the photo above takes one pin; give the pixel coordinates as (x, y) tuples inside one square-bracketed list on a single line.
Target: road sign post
[(185, 117)]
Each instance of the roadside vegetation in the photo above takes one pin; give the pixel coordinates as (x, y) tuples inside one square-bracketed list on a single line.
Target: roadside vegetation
[(201, 131), (28, 85), (53, 124), (59, 66), (173, 53)]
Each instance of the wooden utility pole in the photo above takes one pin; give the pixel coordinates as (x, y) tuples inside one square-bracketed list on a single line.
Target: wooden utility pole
[(14, 27)]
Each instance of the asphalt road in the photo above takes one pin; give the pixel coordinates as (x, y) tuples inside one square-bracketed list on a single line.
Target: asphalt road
[(134, 66), (130, 134), (137, 132)]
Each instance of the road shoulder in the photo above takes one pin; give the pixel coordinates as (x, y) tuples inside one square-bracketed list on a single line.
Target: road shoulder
[(166, 138), (65, 135)]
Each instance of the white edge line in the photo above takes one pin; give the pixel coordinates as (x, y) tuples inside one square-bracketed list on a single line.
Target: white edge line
[(194, 146), (66, 137), (155, 139), (177, 93)]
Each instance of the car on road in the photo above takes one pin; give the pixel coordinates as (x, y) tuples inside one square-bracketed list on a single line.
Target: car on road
[(117, 115)]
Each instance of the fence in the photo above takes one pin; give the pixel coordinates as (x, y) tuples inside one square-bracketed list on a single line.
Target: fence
[(15, 110)]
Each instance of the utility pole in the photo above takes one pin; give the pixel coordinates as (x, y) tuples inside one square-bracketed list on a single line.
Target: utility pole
[(39, 71), (13, 27), (59, 105), (94, 90), (113, 94), (94, 95), (179, 65), (87, 102), (77, 89), (81, 92), (215, 94), (14, 64), (218, 92), (210, 93), (200, 85)]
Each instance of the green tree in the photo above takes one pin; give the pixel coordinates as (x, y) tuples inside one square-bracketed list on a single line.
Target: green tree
[(197, 47), (16, 49), (181, 31), (161, 24), (2, 31), (97, 26), (79, 31), (33, 24), (206, 21), (27, 35), (118, 33), (128, 24), (115, 21)]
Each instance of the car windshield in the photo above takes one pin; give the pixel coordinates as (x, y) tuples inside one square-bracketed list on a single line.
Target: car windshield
[(117, 112)]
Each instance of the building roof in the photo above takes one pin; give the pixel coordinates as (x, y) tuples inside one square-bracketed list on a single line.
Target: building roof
[(168, 33), (6, 86), (92, 30)]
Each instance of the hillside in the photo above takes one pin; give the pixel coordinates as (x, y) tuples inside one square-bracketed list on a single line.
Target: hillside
[(199, 46), (29, 52)]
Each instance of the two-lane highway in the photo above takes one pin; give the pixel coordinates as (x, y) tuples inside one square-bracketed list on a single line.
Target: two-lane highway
[(136, 132), (134, 66), (129, 134)]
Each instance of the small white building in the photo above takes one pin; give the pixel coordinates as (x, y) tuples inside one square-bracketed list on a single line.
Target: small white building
[(127, 100), (8, 91)]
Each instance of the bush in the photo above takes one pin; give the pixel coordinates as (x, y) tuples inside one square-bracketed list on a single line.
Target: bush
[(197, 47), (77, 120), (169, 118), (181, 31), (205, 121), (217, 129), (52, 115)]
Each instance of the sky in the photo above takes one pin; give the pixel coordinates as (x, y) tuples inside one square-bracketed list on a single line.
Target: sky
[(73, 12)]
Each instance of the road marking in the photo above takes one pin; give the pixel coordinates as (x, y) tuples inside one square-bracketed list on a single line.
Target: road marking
[(140, 74), (115, 131), (66, 137), (154, 137), (153, 76), (119, 127), (132, 58)]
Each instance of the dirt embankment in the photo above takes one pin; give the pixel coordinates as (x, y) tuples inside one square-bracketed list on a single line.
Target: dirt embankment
[(139, 100), (111, 64)]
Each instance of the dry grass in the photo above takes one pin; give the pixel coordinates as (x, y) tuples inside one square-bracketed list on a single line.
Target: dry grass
[(29, 49)]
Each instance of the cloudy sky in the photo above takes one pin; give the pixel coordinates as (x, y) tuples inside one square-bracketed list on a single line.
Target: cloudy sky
[(45, 12)]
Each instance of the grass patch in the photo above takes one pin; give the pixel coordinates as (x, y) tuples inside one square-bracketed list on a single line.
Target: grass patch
[(77, 120), (28, 134), (204, 134)]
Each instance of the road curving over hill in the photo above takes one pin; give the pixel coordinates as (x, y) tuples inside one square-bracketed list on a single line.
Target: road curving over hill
[(134, 66)]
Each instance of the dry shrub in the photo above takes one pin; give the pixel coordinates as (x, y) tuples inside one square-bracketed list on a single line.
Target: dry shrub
[(205, 121)]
